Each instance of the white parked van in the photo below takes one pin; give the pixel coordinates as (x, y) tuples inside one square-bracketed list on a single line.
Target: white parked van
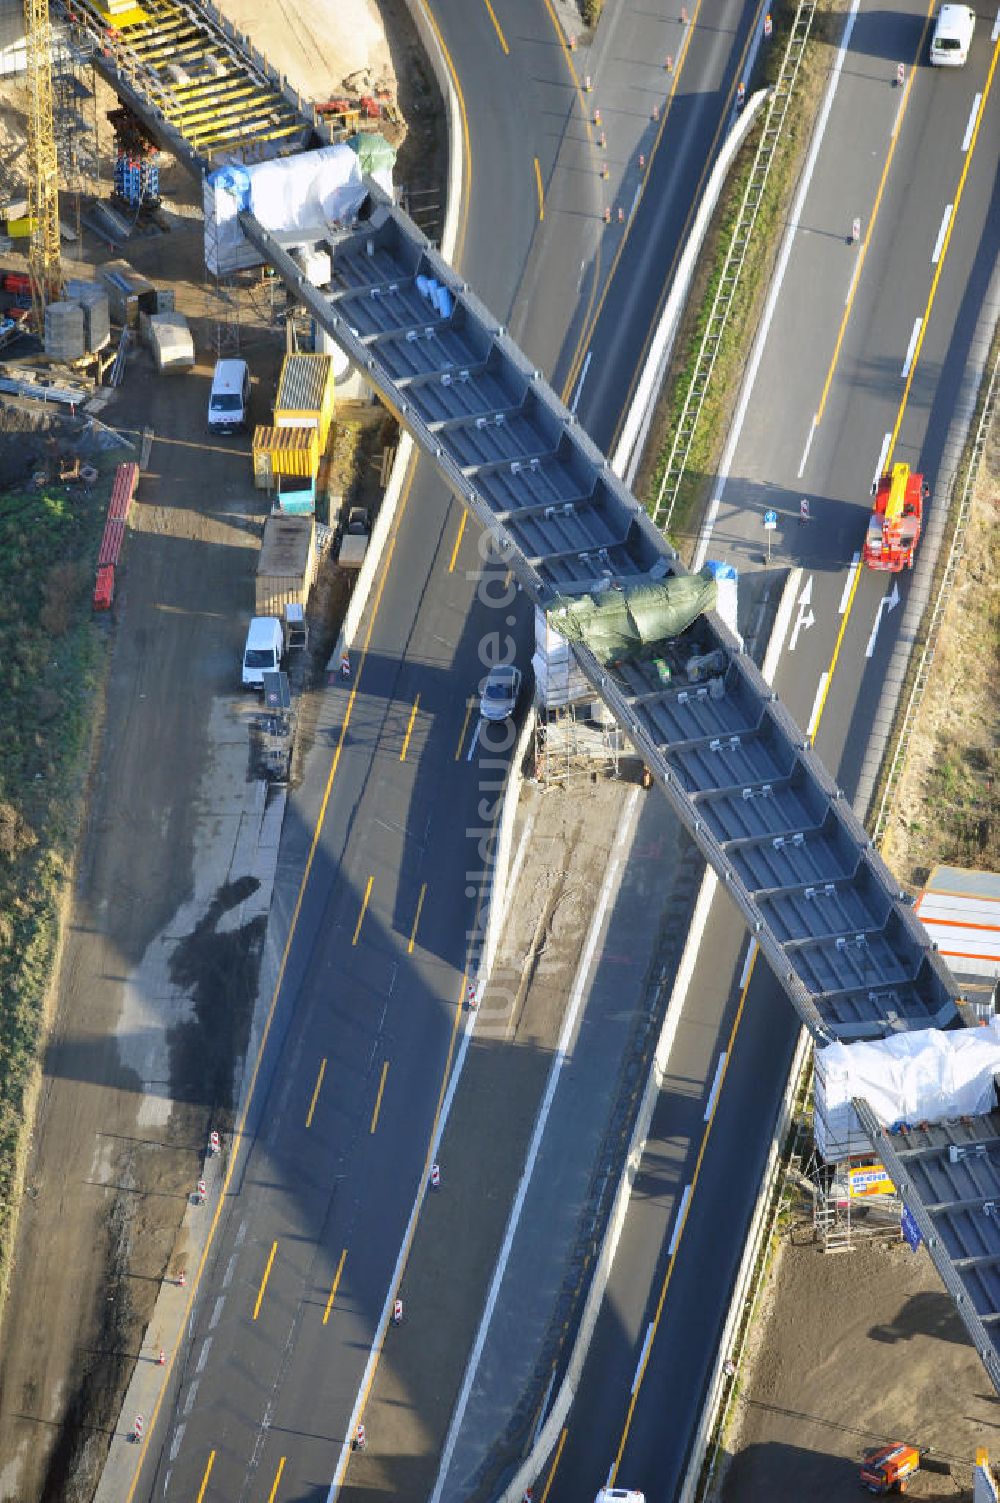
[(952, 36), (262, 654), (229, 402)]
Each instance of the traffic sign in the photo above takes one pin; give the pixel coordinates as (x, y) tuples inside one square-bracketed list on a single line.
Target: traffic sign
[(770, 520)]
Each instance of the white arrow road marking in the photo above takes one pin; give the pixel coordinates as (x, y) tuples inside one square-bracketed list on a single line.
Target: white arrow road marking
[(849, 585), (887, 603), (805, 618)]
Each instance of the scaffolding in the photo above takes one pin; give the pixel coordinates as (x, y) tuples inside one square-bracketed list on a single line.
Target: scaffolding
[(570, 747), (74, 115), (843, 1217)]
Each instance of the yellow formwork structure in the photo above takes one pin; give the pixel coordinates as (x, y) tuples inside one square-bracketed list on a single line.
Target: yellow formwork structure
[(44, 265)]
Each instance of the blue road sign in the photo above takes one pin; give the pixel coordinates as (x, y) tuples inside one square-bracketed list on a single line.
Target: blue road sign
[(910, 1229), (770, 520)]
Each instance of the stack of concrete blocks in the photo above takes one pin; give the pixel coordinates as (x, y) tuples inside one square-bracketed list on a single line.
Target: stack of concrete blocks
[(96, 313), (171, 343), (65, 333)]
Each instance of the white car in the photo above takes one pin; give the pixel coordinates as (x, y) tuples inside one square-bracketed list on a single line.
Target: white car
[(952, 35), (500, 692), (620, 1495)]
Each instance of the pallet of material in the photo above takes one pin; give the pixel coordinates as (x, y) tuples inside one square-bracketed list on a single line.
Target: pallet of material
[(104, 590)]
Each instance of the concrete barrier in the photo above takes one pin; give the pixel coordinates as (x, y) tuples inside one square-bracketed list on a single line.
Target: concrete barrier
[(635, 430), (550, 1431), (428, 34)]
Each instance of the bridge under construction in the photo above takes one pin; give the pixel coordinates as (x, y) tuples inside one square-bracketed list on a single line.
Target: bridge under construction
[(818, 900)]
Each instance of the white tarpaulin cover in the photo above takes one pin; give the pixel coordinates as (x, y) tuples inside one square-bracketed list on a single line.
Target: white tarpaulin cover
[(302, 192), (926, 1076)]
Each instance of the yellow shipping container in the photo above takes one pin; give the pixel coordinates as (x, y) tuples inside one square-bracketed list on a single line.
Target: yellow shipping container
[(20, 229), (305, 395), (284, 451)]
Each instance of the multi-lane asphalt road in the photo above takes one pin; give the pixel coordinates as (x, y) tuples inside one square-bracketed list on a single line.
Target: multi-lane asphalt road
[(370, 997), (847, 380), (369, 1003)]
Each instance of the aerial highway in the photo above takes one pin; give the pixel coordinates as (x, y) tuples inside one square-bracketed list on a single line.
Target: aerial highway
[(866, 356), (369, 1001)]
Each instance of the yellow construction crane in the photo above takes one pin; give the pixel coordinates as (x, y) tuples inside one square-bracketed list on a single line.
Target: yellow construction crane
[(44, 265)]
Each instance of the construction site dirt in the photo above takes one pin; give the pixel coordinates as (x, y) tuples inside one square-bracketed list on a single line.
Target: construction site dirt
[(157, 952)]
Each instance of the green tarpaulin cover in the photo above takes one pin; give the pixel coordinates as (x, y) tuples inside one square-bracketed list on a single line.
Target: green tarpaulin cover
[(628, 622), (374, 152)]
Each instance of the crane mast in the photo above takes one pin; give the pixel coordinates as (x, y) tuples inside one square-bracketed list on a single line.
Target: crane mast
[(43, 177)]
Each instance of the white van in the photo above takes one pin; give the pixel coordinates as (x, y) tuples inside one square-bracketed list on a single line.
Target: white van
[(952, 36), (229, 402), (263, 652)]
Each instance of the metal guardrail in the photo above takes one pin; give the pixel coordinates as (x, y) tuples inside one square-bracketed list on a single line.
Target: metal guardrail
[(774, 120), (926, 658)]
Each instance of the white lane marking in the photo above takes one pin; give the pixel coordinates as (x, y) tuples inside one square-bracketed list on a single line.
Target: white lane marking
[(911, 347), (710, 1106), (474, 742), (238, 1240), (642, 1356), (635, 201), (192, 1394), (824, 679), (757, 354), (805, 451), (747, 964), (206, 1347), (675, 1235), (583, 376), (852, 285), (967, 138), (996, 28), (939, 242), (517, 863), (555, 1071), (175, 1444), (849, 583), (227, 1277), (888, 603), (882, 457), (216, 1313)]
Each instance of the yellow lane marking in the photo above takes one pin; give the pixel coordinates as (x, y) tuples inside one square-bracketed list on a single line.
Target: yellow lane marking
[(378, 1098), (409, 729), (263, 1282), (465, 727), (944, 251), (496, 27), (458, 541), (836, 653), (466, 143), (541, 191), (581, 100), (315, 1094), (416, 919), (234, 1157), (639, 365), (274, 1485), (334, 1286), (591, 324), (897, 132), (364, 906), (204, 1481), (428, 1160), (679, 1230), (552, 1469)]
